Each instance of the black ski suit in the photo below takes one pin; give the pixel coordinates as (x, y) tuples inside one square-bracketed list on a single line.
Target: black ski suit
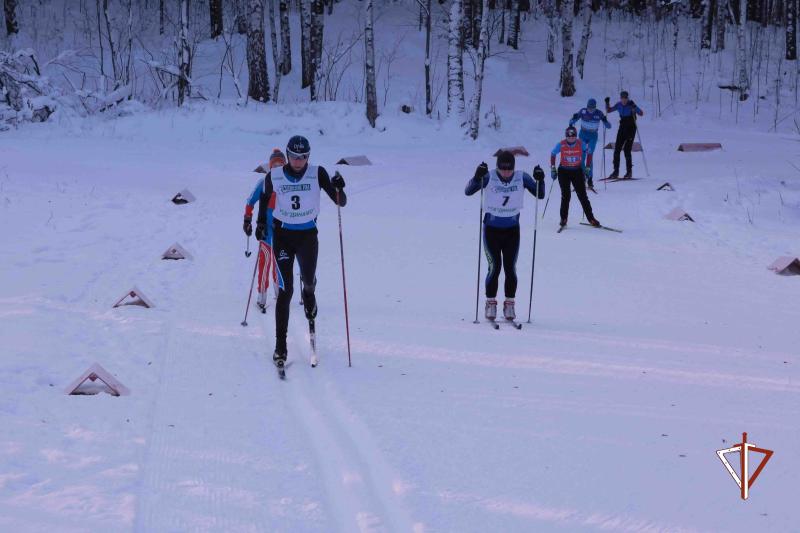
[(289, 242)]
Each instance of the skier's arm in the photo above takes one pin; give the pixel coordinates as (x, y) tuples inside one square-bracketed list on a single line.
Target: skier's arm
[(326, 185), (253, 198), (264, 198), (606, 123), (534, 187), (575, 118), (476, 184), (553, 153), (613, 108)]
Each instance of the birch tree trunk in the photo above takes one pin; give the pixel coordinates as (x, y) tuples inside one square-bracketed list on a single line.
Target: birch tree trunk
[(513, 27), (10, 10), (315, 42), (741, 50), (552, 30), (567, 82), (240, 9), (276, 58), (286, 40), (428, 100), (721, 19), (791, 30), (587, 32), (475, 116), (455, 63), (184, 66), (161, 16), (469, 38), (369, 65), (215, 11), (707, 24), (258, 85), (305, 42)]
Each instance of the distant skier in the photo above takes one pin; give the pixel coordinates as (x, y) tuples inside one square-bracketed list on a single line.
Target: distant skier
[(297, 188), (266, 260), (504, 195), (575, 162), (590, 118), (626, 133)]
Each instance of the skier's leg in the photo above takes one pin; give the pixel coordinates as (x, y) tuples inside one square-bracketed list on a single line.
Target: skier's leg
[(263, 274), (580, 191), (491, 246), (510, 252), (284, 250), (307, 254), (618, 148), (628, 147), (566, 192)]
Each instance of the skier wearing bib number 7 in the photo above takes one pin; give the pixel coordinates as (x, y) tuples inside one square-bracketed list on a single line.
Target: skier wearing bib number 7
[(504, 190), (297, 187)]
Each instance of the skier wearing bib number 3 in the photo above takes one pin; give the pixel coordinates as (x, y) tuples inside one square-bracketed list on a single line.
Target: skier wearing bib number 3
[(297, 187), (504, 190)]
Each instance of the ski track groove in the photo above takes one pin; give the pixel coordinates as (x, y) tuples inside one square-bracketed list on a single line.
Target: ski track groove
[(357, 478)]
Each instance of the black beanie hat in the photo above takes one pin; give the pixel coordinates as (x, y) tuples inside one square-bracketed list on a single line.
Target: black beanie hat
[(505, 160)]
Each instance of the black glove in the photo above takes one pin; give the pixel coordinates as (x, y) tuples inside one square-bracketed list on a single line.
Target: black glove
[(608, 100), (481, 171), (337, 181), (261, 231), (248, 226), (538, 173)]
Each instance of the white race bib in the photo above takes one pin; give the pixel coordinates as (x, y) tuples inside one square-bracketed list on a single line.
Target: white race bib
[(504, 199), (296, 202)]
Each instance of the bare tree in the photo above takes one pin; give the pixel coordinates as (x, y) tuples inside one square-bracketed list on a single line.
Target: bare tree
[(791, 30), (567, 82), (721, 20), (305, 42), (184, 53), (10, 9), (315, 43), (475, 117), (258, 86), (286, 40), (741, 49), (369, 64), (162, 15), (240, 16), (276, 60), (455, 63), (585, 34), (513, 29), (708, 24), (552, 30), (215, 10)]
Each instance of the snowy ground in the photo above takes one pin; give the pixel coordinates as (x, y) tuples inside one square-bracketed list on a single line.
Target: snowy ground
[(648, 351)]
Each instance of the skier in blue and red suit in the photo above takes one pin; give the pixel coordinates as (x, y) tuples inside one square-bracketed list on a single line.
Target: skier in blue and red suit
[(590, 118), (576, 161)]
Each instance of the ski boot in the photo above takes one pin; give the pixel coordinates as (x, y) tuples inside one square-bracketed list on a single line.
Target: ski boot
[(613, 176), (262, 301), (508, 309), (594, 222), (279, 357), (628, 175), (563, 222), (491, 309)]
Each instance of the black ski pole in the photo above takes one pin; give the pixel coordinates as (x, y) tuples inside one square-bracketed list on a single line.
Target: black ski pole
[(605, 180), (647, 170), (250, 294), (533, 260), (247, 251), (480, 232), (548, 199), (344, 280)]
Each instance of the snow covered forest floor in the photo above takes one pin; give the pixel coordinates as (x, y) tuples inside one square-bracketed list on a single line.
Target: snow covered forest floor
[(648, 350)]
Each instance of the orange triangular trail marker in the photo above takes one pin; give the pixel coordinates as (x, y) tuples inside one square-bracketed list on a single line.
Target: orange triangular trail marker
[(744, 448), (134, 297), (94, 373)]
